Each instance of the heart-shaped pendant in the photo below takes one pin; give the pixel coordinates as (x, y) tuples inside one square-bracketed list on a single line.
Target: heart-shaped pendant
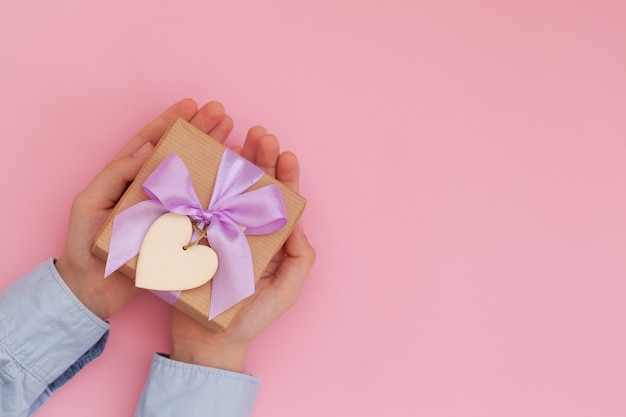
[(165, 265)]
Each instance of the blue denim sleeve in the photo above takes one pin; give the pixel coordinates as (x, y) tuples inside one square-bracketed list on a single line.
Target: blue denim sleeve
[(181, 389), (46, 337)]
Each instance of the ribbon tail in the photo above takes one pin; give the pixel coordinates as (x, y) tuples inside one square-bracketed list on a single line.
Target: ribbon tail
[(234, 279), (169, 297), (129, 229)]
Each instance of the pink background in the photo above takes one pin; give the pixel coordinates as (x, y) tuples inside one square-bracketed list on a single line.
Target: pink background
[(464, 165)]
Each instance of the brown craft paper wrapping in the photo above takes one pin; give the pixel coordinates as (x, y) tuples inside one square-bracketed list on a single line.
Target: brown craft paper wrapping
[(202, 156)]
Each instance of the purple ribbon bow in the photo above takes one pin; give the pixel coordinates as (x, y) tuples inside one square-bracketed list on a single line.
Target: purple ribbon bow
[(170, 189)]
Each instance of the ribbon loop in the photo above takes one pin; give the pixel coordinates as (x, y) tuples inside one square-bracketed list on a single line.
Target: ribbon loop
[(170, 184), (170, 189)]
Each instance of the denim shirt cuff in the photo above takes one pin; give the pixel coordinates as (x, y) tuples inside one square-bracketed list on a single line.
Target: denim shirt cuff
[(177, 388), (46, 329)]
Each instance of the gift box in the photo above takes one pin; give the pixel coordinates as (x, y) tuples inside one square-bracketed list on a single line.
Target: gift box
[(204, 158)]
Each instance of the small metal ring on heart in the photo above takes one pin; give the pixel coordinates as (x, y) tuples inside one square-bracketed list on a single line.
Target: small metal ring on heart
[(164, 265)]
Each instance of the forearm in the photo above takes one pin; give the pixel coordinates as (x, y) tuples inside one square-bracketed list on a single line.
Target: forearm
[(207, 354)]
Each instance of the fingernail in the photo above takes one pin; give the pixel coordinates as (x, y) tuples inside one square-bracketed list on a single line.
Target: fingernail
[(142, 151), (301, 226)]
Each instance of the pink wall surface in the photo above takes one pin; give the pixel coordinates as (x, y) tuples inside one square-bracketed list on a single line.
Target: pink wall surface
[(464, 163)]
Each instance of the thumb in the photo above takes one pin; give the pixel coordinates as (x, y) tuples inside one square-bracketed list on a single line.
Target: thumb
[(109, 185), (292, 272)]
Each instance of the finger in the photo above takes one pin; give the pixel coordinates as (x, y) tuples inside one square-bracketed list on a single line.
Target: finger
[(250, 144), (288, 171), (153, 131), (236, 149), (294, 269), (267, 153), (108, 186), (209, 117), (223, 129)]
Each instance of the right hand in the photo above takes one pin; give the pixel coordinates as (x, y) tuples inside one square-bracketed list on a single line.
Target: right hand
[(276, 291)]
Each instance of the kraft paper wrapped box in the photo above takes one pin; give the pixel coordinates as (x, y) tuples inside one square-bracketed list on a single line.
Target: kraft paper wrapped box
[(202, 155)]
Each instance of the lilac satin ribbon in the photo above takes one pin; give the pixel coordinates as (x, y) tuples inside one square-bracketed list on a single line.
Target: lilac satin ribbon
[(170, 189)]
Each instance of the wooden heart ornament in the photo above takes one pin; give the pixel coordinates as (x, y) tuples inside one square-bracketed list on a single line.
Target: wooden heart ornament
[(165, 265)]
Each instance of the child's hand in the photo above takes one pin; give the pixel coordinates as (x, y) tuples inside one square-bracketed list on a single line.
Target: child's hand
[(275, 292), (83, 272)]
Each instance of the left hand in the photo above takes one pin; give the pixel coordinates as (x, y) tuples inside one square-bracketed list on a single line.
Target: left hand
[(84, 273)]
